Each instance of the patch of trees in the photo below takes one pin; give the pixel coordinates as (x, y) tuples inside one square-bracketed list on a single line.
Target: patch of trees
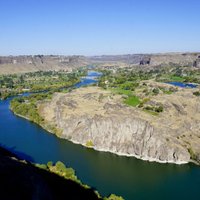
[(38, 81)]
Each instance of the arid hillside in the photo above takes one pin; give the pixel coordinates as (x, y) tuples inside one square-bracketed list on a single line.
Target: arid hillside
[(22, 64)]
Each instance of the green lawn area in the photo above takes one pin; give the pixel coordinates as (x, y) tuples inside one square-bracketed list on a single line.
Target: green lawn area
[(132, 101), (176, 78), (121, 91), (170, 78)]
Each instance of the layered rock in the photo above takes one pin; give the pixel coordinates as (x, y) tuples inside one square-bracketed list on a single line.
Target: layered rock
[(96, 118)]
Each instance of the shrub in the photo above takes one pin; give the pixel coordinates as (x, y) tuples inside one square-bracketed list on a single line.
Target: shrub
[(159, 109), (197, 93), (193, 156), (60, 166), (154, 109), (89, 143), (155, 91), (113, 197), (49, 164)]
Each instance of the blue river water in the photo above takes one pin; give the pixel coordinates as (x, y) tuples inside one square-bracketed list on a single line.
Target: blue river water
[(106, 172), (183, 85)]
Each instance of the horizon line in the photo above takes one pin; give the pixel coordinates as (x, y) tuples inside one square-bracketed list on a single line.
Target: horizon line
[(98, 55)]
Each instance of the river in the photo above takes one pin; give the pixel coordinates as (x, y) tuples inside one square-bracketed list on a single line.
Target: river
[(183, 85), (106, 172)]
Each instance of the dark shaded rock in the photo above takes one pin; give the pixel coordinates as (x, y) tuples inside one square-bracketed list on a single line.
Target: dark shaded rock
[(197, 62), (145, 61)]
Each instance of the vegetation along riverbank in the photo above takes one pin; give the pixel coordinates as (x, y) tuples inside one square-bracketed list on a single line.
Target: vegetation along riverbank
[(136, 103)]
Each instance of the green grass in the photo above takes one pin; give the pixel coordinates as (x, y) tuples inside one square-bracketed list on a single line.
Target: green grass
[(168, 92), (121, 91), (171, 78), (132, 101), (176, 78)]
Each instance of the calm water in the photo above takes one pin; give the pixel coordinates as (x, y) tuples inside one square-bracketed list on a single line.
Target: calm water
[(183, 85), (108, 173)]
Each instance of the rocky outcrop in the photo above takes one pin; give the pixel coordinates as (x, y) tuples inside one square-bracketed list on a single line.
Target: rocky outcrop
[(197, 62), (95, 118), (145, 61)]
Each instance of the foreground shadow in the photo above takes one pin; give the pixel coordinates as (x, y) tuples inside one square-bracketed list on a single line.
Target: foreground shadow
[(17, 154), (21, 180)]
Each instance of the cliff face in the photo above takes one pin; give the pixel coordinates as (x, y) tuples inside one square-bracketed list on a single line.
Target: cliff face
[(186, 59), (96, 118), (182, 59), (22, 64)]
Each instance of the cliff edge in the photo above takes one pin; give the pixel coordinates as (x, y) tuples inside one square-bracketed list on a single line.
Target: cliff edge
[(98, 119)]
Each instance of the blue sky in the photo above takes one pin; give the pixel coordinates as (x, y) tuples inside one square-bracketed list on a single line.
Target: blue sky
[(94, 27)]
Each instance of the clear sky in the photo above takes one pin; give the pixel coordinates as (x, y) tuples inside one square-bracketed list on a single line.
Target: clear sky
[(93, 27)]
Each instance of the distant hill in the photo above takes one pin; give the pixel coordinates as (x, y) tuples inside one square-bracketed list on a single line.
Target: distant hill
[(182, 59), (22, 64)]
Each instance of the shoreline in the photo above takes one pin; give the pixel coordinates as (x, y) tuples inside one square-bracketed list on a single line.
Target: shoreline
[(131, 155)]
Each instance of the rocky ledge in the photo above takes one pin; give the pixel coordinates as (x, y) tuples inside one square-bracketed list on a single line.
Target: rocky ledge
[(98, 119)]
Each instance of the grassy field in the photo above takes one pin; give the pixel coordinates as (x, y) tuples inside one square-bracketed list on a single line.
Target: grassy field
[(176, 78), (132, 101)]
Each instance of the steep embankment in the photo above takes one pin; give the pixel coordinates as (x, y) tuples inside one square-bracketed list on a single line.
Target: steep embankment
[(95, 118)]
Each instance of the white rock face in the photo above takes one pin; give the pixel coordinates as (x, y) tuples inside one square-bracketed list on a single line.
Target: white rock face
[(94, 117)]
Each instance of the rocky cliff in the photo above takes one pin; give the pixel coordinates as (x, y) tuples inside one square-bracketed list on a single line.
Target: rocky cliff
[(96, 118), (153, 60), (22, 64)]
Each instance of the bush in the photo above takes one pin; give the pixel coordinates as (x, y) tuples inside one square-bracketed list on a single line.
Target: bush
[(197, 93), (155, 91), (49, 164), (159, 109), (193, 156), (60, 166), (113, 197), (89, 143)]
